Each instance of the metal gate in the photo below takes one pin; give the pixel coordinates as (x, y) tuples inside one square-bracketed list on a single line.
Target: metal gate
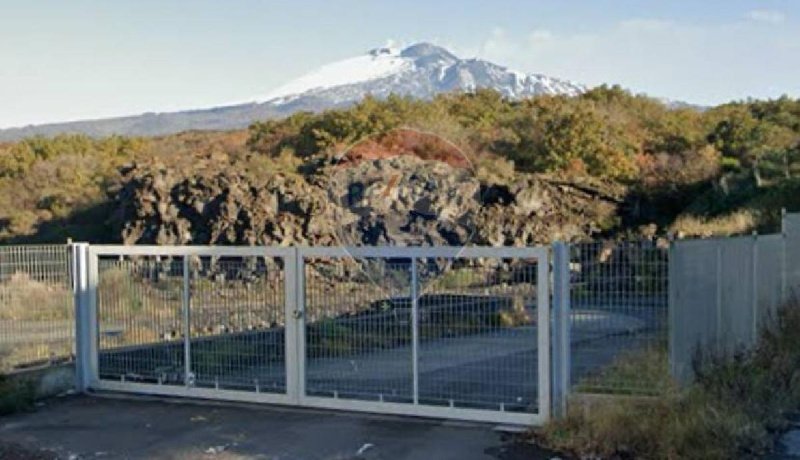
[(458, 333)]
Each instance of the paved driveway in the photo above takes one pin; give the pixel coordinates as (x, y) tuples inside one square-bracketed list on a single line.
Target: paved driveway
[(100, 427)]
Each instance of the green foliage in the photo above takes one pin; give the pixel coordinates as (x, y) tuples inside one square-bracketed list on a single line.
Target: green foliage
[(16, 395), (308, 134), (760, 135)]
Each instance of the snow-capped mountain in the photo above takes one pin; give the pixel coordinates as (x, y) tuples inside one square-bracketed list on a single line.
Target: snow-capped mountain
[(421, 70)]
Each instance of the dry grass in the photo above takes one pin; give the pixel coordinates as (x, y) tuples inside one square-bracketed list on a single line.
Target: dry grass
[(23, 298), (734, 409), (737, 223), (37, 319), (638, 372)]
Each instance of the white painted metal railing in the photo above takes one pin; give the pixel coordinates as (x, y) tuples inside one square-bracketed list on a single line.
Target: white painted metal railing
[(459, 333)]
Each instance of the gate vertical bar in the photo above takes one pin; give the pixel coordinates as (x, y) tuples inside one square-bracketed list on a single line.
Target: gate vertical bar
[(543, 332), (561, 328), (414, 330), (298, 317), (187, 325), (291, 359), (754, 287), (719, 329)]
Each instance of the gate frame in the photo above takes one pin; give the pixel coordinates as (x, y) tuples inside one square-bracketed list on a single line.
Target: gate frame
[(295, 343), (88, 366)]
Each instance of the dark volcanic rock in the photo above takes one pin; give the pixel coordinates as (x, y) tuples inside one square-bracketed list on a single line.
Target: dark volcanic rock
[(390, 201)]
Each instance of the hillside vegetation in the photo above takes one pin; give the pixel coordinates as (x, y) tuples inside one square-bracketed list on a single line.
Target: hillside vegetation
[(726, 169)]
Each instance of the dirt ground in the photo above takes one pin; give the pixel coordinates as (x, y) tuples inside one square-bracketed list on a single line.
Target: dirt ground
[(83, 427)]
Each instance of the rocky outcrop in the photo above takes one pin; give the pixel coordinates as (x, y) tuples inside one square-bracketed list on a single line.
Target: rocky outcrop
[(388, 201)]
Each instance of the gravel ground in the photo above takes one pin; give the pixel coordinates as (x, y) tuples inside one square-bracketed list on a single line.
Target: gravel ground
[(13, 451)]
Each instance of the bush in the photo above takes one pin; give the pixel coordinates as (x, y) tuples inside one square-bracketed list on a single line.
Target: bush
[(737, 223), (15, 395), (734, 409)]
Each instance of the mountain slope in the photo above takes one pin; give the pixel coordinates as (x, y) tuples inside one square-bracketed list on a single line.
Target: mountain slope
[(421, 71)]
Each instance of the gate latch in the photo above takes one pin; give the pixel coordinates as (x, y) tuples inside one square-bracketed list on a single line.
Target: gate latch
[(298, 314)]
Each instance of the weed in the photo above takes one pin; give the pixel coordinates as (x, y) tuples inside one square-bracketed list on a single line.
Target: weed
[(734, 409), (635, 373), (15, 395)]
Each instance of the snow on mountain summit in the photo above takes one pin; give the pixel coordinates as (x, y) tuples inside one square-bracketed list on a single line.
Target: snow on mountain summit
[(377, 63), (421, 70)]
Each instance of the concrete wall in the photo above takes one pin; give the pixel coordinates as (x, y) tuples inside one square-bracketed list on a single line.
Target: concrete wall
[(48, 381), (724, 291)]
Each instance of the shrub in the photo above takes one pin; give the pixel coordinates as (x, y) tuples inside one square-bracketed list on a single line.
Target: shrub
[(736, 223), (15, 395)]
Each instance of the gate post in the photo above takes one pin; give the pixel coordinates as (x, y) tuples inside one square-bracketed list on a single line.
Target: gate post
[(79, 253), (293, 333), (414, 330), (561, 328)]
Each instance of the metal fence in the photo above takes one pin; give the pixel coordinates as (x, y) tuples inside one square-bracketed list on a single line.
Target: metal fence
[(37, 320), (449, 332), (230, 306), (443, 332), (618, 319)]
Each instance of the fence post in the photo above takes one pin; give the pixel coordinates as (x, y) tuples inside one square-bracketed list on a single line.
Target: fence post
[(720, 332), (561, 328), (784, 294), (414, 330), (672, 313), (754, 287), (80, 285), (188, 378)]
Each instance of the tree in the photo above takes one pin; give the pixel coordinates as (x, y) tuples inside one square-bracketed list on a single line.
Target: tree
[(741, 135)]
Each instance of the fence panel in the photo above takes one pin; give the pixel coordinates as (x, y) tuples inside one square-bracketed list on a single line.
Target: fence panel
[(737, 323), (618, 321), (208, 322), (37, 322), (791, 232), (694, 283), (358, 329), (725, 290), (443, 332), (769, 276), (478, 334), (237, 323), (140, 319)]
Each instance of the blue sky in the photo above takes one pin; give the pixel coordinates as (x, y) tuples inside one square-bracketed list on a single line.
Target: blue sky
[(66, 60)]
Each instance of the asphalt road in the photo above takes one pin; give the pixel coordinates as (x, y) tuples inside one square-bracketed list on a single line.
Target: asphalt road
[(83, 427), (488, 370)]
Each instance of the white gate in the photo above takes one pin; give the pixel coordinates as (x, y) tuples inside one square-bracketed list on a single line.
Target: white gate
[(458, 333)]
